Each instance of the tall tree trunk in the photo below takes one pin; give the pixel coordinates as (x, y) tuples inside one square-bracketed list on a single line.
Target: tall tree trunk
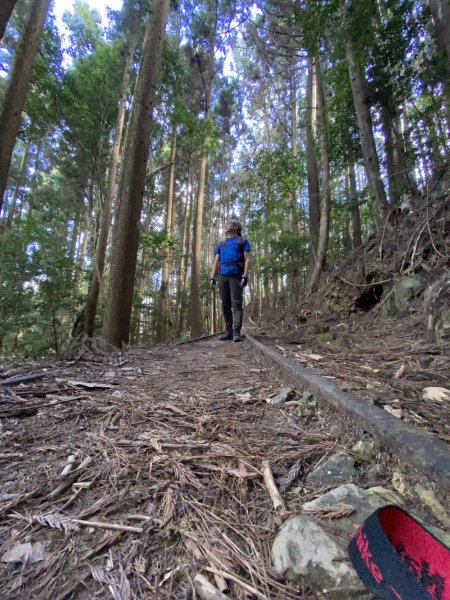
[(405, 147), (82, 255), (19, 183), (16, 91), (181, 278), (389, 148), (35, 180), (79, 207), (162, 323), (138, 312), (116, 324), (325, 203), (102, 240), (268, 194), (368, 147), (294, 283), (440, 11), (6, 8), (354, 206), (311, 160), (195, 305)]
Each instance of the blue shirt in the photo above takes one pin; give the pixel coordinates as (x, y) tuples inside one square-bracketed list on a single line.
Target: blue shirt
[(231, 255)]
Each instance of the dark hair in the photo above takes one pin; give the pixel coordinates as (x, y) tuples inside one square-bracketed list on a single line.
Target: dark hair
[(238, 225)]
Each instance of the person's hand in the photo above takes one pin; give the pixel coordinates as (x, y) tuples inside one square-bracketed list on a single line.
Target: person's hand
[(212, 283), (244, 282)]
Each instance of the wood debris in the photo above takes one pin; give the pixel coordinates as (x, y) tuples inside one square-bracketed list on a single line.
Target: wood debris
[(148, 489)]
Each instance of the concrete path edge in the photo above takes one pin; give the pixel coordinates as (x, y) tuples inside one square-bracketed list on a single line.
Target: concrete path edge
[(420, 449)]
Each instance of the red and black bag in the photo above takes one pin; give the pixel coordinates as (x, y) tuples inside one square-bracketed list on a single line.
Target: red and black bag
[(398, 559)]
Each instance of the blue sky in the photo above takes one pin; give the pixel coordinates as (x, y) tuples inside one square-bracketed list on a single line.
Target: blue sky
[(59, 6)]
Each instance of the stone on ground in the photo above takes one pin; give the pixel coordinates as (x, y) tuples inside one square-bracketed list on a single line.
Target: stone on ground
[(363, 501), (283, 396), (303, 549), (339, 468), (403, 292), (364, 450)]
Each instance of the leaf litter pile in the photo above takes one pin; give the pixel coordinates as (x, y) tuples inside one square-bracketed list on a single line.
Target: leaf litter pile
[(388, 363), (132, 475)]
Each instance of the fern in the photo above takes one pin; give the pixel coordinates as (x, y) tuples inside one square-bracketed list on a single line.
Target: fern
[(103, 576), (57, 521), (289, 479)]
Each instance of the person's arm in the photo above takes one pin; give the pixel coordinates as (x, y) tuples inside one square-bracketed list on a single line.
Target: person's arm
[(215, 266), (246, 264)]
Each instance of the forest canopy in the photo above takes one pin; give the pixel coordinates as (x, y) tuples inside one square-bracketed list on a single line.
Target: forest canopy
[(126, 145)]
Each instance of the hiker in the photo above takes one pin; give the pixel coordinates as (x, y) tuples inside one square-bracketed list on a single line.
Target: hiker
[(232, 264)]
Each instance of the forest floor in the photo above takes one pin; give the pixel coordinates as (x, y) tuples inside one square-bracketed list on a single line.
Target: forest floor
[(388, 362), (168, 440), (125, 474)]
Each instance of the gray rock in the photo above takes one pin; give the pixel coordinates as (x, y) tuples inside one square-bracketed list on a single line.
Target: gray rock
[(363, 501), (442, 328), (303, 549), (339, 468), (364, 450), (436, 300), (283, 395), (374, 472), (405, 289)]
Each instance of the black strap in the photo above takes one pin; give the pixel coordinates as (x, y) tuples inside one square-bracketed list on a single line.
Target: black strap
[(398, 559)]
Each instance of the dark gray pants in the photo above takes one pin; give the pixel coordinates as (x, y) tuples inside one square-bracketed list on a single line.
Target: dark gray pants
[(231, 296)]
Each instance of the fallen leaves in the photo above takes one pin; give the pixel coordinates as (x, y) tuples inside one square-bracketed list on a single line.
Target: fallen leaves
[(57, 521), (395, 412), (337, 511), (436, 394), (90, 384), (30, 552)]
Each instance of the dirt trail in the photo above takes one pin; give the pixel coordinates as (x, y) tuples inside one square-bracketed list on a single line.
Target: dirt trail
[(174, 447)]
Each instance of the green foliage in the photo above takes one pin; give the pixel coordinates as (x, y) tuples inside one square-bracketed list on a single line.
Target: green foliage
[(44, 99), (91, 90), (37, 294), (251, 56), (157, 241), (84, 29), (277, 170)]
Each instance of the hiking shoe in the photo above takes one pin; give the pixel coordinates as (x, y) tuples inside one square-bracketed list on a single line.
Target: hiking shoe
[(236, 335), (228, 335)]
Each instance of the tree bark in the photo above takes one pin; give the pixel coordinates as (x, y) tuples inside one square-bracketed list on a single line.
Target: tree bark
[(102, 240), (195, 305), (311, 161), (19, 183), (82, 255), (6, 8), (16, 91), (117, 320), (406, 157), (440, 11), (294, 274), (367, 140), (354, 207), (182, 273), (325, 203), (392, 168), (162, 322)]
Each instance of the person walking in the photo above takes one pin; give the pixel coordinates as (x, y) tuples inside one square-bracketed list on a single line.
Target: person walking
[(232, 265)]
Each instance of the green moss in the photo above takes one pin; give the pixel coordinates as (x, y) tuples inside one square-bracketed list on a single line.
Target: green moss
[(323, 338)]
